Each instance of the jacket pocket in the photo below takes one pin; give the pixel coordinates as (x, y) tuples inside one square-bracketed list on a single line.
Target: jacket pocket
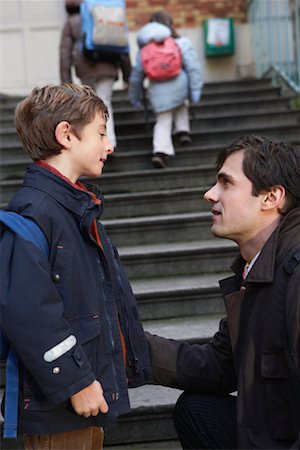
[(86, 328), (275, 374), (87, 331)]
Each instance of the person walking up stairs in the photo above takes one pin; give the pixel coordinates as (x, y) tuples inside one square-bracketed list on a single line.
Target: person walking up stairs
[(169, 95)]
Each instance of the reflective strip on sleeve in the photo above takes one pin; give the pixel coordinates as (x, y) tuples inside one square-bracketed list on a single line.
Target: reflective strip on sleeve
[(60, 349)]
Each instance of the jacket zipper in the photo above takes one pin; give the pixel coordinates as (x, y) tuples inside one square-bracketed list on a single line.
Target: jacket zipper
[(132, 358), (111, 336)]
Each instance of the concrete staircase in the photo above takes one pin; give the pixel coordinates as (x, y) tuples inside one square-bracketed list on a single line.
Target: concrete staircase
[(161, 225)]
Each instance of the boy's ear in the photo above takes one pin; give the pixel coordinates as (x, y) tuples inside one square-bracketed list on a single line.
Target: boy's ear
[(274, 198), (62, 134)]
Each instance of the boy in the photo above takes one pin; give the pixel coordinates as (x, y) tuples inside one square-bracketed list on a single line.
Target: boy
[(72, 319), (255, 202)]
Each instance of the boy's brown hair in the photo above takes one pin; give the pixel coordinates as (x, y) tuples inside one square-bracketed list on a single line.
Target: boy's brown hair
[(37, 116)]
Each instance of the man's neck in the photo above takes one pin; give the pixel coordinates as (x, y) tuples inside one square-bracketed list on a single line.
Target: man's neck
[(251, 247)]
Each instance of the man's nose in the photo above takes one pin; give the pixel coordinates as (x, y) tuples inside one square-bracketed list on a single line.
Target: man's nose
[(210, 195)]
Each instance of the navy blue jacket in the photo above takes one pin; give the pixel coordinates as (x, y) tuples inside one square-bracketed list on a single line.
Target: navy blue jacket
[(64, 316)]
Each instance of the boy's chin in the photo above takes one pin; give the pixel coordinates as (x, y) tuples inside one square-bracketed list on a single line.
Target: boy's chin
[(95, 174)]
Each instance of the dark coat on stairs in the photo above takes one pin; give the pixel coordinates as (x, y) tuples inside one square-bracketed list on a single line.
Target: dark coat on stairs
[(256, 350)]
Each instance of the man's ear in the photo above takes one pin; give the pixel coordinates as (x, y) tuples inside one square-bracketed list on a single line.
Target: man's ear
[(274, 198), (62, 134)]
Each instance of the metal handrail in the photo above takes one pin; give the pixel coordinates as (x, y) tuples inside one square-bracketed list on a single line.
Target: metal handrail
[(275, 32)]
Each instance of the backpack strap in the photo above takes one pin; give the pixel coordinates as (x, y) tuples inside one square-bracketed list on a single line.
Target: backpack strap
[(26, 228), (30, 231), (11, 395)]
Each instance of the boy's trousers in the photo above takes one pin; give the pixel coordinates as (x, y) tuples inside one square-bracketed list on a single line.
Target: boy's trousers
[(90, 438)]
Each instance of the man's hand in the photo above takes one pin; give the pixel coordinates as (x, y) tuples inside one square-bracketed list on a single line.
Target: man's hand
[(90, 400)]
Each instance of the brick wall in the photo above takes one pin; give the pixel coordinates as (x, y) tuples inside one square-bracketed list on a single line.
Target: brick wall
[(186, 13)]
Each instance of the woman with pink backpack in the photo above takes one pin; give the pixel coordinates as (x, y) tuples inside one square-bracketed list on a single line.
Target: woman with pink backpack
[(173, 69)]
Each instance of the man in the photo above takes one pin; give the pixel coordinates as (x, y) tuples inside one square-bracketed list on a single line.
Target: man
[(256, 203)]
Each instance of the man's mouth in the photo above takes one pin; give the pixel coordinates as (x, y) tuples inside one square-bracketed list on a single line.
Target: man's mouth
[(215, 212)]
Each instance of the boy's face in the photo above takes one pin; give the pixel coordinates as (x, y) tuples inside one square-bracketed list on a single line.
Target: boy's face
[(90, 152), (236, 213)]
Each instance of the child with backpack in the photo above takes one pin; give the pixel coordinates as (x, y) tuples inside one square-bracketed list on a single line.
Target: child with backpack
[(173, 69), (71, 318), (99, 71)]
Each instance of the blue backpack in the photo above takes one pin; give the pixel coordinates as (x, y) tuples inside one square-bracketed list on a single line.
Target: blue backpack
[(30, 231), (104, 29)]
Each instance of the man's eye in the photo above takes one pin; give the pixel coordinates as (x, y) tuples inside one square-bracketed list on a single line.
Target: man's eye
[(225, 182)]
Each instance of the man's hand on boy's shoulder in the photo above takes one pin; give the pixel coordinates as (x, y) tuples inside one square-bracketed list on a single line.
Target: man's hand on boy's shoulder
[(90, 401)]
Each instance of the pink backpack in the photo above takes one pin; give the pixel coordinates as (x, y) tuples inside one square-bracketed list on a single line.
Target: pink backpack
[(161, 60)]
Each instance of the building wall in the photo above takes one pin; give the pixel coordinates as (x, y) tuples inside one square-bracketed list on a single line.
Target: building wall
[(186, 13), (30, 33)]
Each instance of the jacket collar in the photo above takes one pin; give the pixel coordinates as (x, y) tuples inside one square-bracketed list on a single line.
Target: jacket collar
[(78, 199), (283, 235)]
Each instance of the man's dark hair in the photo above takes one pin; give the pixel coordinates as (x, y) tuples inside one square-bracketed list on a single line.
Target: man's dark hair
[(268, 162)]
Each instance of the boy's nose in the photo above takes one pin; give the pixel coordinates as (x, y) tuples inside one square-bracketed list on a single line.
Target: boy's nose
[(109, 148)]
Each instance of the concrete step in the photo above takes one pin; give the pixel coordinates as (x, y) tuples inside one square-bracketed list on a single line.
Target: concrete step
[(225, 92), (203, 150), (245, 83), (168, 201), (199, 123), (154, 202), (146, 423), (173, 444), (217, 135), (216, 107), (179, 296), (178, 258), (207, 106), (205, 122), (214, 135), (135, 181), (14, 161), (152, 406), (168, 228)]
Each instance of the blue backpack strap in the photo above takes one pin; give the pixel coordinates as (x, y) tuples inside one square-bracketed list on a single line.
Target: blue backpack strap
[(30, 231), (11, 395), (26, 228)]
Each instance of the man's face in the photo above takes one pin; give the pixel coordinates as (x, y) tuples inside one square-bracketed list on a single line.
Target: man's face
[(236, 213)]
